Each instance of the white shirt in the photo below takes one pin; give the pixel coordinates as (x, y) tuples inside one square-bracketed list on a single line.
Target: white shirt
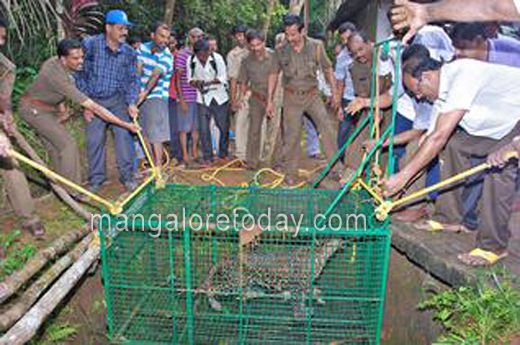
[(217, 92), (489, 93), (517, 4), (405, 105), (440, 47), (437, 41)]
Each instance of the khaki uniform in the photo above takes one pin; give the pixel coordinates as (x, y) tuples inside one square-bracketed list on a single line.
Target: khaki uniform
[(272, 131), (16, 184), (53, 86), (361, 77), (255, 73), (301, 95), (234, 61)]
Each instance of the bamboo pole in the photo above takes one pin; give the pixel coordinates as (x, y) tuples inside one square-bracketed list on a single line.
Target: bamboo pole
[(28, 326), (15, 281), (31, 295)]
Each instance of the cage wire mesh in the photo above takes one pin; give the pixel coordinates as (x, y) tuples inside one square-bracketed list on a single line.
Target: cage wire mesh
[(170, 279)]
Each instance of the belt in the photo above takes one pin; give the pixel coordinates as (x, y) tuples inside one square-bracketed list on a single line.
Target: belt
[(300, 92), (27, 100), (259, 96)]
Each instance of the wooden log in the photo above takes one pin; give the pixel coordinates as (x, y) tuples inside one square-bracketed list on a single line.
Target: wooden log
[(28, 326), (31, 295), (59, 190), (12, 283)]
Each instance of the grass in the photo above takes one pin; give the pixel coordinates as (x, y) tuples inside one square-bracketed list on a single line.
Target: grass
[(57, 334), (487, 313), (17, 253)]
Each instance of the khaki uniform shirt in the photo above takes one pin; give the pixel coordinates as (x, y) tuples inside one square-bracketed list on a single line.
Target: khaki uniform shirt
[(362, 79), (300, 69), (255, 73), (7, 77), (54, 85), (234, 60)]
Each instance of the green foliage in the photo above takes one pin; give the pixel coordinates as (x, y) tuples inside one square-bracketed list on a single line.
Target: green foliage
[(57, 333), (17, 253), (215, 17), (482, 314)]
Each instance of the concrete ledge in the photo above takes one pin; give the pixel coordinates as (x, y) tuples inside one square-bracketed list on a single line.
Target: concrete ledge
[(436, 253)]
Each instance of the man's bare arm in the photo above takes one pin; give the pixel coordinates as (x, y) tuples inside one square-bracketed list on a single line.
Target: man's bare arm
[(272, 82), (430, 149), (152, 82), (407, 14)]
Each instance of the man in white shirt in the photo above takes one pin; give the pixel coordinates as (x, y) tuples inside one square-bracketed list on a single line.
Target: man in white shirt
[(207, 73), (485, 107)]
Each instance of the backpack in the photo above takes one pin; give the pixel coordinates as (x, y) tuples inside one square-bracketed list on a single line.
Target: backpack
[(212, 62)]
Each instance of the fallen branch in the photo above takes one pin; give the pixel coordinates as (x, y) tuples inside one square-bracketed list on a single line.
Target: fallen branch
[(59, 190), (16, 311), (28, 326), (12, 283)]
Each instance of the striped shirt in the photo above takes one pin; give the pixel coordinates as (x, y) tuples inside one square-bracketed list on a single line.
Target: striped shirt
[(188, 92), (155, 60)]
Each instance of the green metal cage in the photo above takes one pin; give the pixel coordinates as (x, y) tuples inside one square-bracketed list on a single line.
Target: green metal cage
[(231, 265)]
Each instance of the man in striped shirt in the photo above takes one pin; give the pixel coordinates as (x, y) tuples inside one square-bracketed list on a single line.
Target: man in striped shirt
[(187, 96), (155, 64)]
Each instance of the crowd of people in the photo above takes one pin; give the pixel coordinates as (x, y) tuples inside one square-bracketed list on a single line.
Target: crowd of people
[(456, 108)]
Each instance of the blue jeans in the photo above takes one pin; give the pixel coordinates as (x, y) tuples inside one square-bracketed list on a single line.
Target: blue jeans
[(346, 126), (313, 138), (221, 115), (402, 124), (96, 144), (175, 145)]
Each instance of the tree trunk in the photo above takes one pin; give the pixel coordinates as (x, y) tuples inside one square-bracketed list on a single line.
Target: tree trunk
[(295, 6), (28, 326), (306, 14), (169, 10), (12, 283), (270, 9), (16, 311), (60, 191), (60, 10)]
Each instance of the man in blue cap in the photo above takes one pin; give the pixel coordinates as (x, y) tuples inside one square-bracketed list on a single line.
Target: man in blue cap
[(110, 78)]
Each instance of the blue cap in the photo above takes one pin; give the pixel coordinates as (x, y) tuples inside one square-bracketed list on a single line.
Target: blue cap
[(117, 17)]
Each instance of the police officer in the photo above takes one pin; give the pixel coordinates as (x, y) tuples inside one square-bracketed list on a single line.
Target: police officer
[(15, 182), (299, 61), (241, 110), (254, 74)]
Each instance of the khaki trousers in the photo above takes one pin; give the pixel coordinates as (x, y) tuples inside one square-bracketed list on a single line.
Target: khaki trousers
[(17, 189), (254, 137), (61, 146), (294, 107), (493, 232)]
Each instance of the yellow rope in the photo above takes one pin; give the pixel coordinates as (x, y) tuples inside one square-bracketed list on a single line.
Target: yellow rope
[(371, 191), (111, 206), (156, 171), (387, 206), (137, 191)]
